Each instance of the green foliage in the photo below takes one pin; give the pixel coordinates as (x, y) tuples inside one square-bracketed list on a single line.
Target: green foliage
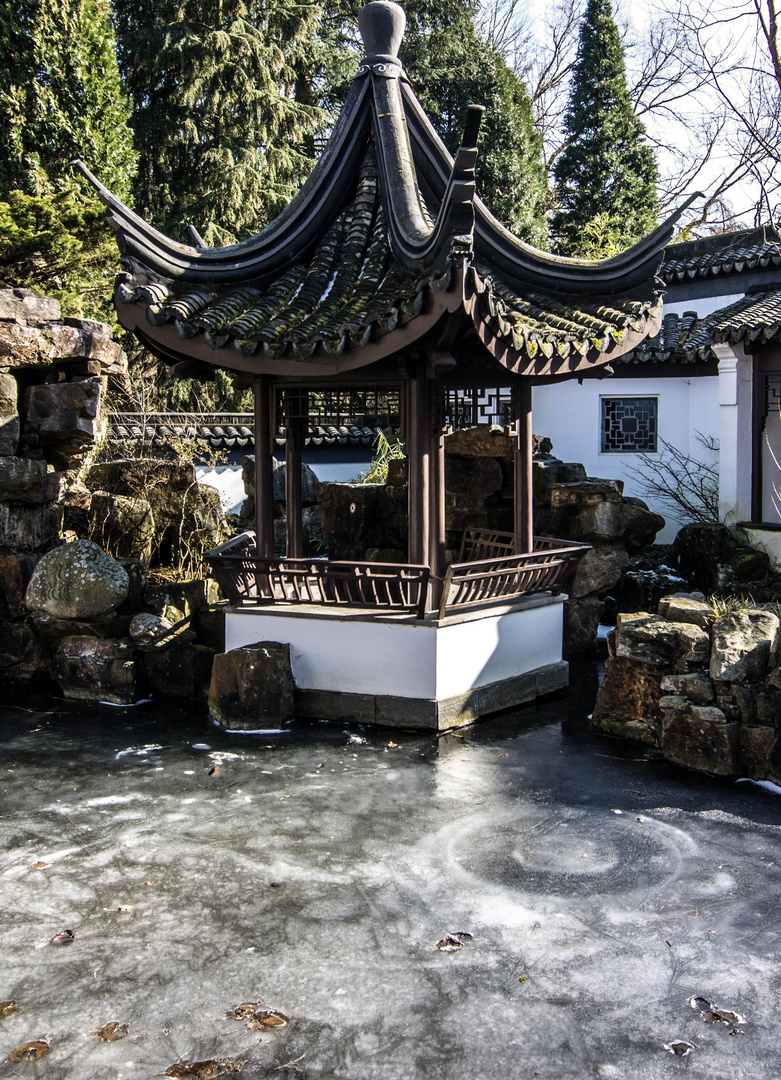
[(60, 96), (606, 166), (601, 238), (220, 132), (59, 244), (385, 451)]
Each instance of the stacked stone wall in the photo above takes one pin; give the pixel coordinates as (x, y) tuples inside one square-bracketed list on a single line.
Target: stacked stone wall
[(703, 691)]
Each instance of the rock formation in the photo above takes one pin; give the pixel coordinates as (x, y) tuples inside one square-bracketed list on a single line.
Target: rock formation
[(704, 691)]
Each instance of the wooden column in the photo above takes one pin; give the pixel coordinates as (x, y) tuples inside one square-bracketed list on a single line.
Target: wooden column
[(264, 402), (418, 435), (437, 502), (524, 512), (297, 420)]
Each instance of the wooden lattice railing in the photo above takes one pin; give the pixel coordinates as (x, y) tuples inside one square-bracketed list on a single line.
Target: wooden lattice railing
[(476, 582), (251, 581)]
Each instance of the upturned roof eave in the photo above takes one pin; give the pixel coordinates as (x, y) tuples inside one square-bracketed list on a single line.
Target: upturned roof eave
[(151, 254), (521, 264)]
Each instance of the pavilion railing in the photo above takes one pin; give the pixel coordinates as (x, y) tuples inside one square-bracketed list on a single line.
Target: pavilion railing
[(477, 582), (251, 581)]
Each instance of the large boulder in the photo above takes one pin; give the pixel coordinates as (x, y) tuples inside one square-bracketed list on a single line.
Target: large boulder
[(651, 640), (26, 481), (90, 669), (30, 528), (715, 559), (63, 419), (124, 524), (77, 581), (744, 646), (252, 687), (9, 415), (598, 570), (627, 702), (699, 737), (687, 607)]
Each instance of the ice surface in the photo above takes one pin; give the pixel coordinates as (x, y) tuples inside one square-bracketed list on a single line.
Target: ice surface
[(320, 881)]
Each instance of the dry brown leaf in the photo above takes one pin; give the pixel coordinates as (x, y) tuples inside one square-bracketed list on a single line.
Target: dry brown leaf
[(268, 1020), (680, 1047), (38, 865), (8, 1008), (65, 937), (449, 943), (111, 1032), (30, 1051), (204, 1070)]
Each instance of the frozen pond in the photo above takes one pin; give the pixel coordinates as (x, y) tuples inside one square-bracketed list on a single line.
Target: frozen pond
[(316, 870)]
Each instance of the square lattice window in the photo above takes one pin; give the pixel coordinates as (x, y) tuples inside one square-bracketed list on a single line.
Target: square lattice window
[(629, 425)]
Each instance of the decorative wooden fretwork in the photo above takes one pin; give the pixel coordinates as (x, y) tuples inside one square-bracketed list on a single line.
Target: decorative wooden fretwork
[(249, 580), (462, 407), (629, 425), (772, 395), (362, 406)]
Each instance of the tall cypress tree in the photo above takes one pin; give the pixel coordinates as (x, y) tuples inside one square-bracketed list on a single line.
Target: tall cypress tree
[(220, 133), (60, 96), (607, 172)]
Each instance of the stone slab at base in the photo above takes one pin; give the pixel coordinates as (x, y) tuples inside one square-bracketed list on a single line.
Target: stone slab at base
[(418, 714), (402, 672)]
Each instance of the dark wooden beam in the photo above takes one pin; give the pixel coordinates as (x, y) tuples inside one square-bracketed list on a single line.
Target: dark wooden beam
[(264, 468), (523, 480), (418, 450), (296, 424)]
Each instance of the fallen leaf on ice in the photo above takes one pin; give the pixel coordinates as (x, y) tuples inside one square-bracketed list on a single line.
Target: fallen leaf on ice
[(8, 1008), (111, 1032), (204, 1070), (680, 1047), (38, 865), (65, 937), (30, 1051)]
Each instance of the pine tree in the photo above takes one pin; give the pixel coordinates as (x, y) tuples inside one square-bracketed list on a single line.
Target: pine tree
[(60, 96), (219, 130), (606, 168)]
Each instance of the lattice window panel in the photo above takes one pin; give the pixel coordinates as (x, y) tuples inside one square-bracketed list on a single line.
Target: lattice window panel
[(772, 396), (344, 406), (629, 425), (467, 407)]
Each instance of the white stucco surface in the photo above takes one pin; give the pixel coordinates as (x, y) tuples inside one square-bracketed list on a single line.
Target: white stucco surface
[(409, 659), (570, 414)]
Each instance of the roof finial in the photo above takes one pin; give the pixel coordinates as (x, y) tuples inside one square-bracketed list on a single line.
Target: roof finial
[(382, 27)]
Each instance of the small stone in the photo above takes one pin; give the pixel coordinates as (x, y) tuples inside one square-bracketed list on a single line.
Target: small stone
[(687, 607), (145, 627)]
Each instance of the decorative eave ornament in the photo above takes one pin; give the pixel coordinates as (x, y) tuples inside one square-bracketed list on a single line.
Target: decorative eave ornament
[(385, 241)]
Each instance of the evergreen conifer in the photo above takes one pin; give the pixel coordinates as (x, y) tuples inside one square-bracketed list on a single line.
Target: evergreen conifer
[(219, 130), (606, 168), (60, 98)]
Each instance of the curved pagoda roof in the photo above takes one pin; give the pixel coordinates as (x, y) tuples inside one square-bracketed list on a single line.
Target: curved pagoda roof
[(385, 244)]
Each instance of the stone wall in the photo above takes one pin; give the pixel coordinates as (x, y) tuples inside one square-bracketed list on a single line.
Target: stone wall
[(370, 521), (53, 381), (704, 691)]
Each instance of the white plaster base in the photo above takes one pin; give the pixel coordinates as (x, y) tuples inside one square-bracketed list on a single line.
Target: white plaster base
[(768, 540), (457, 668)]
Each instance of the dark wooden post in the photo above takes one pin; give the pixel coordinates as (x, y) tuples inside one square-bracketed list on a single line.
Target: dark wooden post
[(437, 499), (297, 420), (418, 465), (263, 397), (523, 482)]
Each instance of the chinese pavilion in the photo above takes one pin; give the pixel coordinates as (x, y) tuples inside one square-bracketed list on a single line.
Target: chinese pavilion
[(387, 287)]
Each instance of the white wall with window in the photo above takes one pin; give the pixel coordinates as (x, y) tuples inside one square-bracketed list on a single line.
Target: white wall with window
[(587, 423)]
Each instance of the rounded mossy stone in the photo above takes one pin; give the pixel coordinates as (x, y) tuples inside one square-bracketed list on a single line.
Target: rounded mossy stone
[(77, 581)]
